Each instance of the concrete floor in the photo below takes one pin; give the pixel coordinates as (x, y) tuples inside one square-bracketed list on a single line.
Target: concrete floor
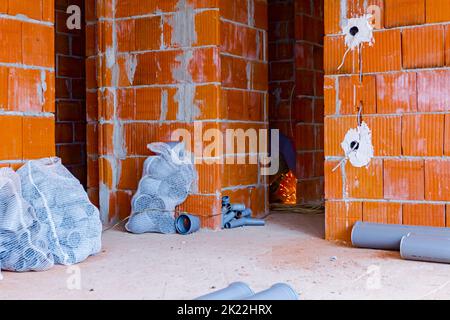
[(289, 249)]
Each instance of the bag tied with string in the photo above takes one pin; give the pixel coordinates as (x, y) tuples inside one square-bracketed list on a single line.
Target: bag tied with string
[(167, 179), (71, 222)]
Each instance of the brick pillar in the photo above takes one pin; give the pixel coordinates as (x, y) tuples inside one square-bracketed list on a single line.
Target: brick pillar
[(404, 91), (282, 66), (70, 92), (309, 103), (27, 81), (163, 66), (296, 80), (244, 99)]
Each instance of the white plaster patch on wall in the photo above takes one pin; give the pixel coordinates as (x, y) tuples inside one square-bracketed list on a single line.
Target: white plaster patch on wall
[(258, 45), (104, 203), (42, 88), (185, 95), (357, 31), (344, 180), (131, 65), (357, 146), (338, 101), (248, 71), (251, 13), (164, 105), (110, 55), (183, 25), (188, 110), (120, 149), (343, 14), (184, 35)]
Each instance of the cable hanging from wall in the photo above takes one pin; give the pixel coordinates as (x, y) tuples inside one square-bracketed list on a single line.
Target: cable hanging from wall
[(357, 143)]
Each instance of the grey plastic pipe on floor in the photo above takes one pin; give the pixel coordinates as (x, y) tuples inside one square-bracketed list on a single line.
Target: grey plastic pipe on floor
[(228, 217), (243, 214), (187, 223), (429, 248), (235, 291), (238, 207), (279, 291), (388, 236), (245, 222)]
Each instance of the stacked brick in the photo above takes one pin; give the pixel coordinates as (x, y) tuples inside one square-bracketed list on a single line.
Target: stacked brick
[(70, 92), (157, 66), (405, 94), (27, 81), (296, 87)]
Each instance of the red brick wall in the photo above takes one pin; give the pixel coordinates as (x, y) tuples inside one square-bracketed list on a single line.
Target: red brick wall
[(70, 92), (296, 59), (405, 92), (27, 80), (145, 79)]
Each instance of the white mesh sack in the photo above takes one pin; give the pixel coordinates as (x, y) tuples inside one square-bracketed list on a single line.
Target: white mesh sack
[(62, 204), (23, 238), (166, 182)]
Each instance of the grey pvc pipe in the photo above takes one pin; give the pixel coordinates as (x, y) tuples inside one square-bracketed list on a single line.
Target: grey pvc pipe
[(243, 214), (238, 207), (225, 200), (235, 291), (279, 291), (388, 236), (228, 217), (187, 223), (425, 248), (245, 222)]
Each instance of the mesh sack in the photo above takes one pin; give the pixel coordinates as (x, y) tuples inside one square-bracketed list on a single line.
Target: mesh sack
[(157, 167), (23, 239), (166, 182), (62, 205), (175, 187), (152, 221), (143, 202)]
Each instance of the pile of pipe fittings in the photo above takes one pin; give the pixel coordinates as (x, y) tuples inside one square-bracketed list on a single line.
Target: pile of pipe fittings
[(237, 215)]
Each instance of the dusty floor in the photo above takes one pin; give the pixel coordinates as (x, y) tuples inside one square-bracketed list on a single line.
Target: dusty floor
[(289, 249)]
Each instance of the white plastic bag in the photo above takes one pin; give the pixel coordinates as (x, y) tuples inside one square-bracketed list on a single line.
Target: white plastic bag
[(63, 206)]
